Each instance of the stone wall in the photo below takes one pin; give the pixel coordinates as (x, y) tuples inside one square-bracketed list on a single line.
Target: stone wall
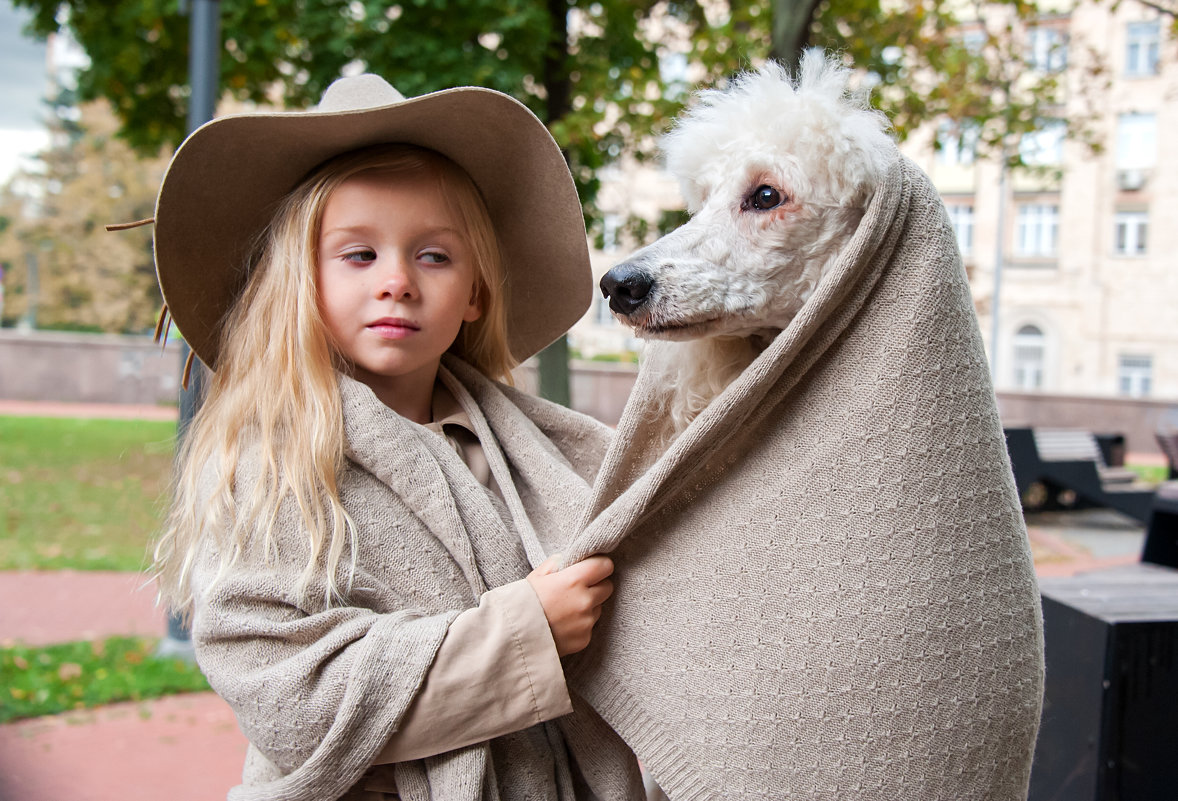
[(1135, 419), (87, 368), (52, 366)]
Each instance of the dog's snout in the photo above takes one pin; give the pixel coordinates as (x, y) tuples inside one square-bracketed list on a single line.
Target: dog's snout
[(627, 286)]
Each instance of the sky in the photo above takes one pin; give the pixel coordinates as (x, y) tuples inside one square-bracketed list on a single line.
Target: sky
[(23, 83)]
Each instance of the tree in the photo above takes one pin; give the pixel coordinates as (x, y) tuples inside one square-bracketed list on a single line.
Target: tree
[(593, 70), (88, 279)]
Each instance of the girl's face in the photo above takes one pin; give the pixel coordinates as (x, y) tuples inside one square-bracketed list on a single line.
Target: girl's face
[(396, 280)]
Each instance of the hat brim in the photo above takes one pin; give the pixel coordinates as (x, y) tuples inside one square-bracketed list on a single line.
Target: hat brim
[(225, 181)]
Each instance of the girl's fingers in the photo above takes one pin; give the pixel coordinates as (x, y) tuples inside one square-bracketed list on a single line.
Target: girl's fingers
[(601, 591), (549, 565), (592, 570)]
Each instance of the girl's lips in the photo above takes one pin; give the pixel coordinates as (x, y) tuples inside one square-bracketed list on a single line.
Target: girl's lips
[(393, 328)]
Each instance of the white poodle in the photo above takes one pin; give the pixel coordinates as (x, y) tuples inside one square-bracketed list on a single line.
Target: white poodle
[(777, 174)]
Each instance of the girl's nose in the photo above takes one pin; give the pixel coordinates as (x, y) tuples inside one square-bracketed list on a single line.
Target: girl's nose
[(397, 283)]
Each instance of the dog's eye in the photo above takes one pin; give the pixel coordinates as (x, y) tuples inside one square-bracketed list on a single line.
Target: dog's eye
[(765, 197)]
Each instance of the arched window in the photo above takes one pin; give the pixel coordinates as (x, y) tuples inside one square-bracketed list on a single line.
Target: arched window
[(1029, 349)]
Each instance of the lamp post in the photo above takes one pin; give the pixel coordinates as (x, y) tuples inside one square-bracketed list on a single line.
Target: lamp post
[(204, 50), (28, 320), (999, 247)]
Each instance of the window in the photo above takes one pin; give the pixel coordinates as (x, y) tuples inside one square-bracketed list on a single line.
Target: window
[(1134, 375), (1132, 230), (961, 217), (673, 72), (1048, 49), (611, 227), (1044, 147), (957, 143), (1141, 48), (602, 314), (975, 40), (1037, 230), (1028, 358), (1137, 141)]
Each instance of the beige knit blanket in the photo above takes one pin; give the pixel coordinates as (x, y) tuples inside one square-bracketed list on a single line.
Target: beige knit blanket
[(824, 587)]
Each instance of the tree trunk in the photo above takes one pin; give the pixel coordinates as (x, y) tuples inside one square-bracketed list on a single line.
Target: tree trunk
[(791, 30), (554, 360)]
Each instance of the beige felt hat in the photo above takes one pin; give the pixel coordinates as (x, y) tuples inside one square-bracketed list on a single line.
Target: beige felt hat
[(225, 181)]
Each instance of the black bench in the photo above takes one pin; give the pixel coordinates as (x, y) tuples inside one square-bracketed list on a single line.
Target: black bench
[(1055, 461)]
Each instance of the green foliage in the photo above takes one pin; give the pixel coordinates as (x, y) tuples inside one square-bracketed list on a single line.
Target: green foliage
[(81, 675), (591, 69), (1150, 473), (572, 78), (81, 494), (89, 279)]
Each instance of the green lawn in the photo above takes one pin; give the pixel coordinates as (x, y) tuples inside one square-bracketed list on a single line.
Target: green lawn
[(81, 675), (1154, 474), (83, 494)]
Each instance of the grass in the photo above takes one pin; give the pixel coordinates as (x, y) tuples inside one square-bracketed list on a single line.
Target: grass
[(81, 494), (81, 675), (1153, 473)]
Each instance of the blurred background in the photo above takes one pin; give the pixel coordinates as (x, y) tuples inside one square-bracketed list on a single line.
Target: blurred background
[(1042, 124)]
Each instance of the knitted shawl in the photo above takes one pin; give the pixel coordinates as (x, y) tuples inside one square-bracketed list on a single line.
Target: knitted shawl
[(824, 586), (318, 689)]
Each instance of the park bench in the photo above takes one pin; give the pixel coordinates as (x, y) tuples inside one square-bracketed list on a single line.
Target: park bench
[(1053, 464), (1161, 532)]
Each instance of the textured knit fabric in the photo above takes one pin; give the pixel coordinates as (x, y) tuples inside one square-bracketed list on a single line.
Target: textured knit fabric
[(824, 586), (318, 690)]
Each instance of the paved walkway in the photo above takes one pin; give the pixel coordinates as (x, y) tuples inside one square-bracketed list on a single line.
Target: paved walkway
[(181, 748), (109, 411), (41, 608), (188, 748)]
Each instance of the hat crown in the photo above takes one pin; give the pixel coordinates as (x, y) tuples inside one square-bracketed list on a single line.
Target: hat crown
[(359, 92)]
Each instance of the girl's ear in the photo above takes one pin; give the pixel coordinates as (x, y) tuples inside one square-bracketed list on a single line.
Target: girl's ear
[(474, 309)]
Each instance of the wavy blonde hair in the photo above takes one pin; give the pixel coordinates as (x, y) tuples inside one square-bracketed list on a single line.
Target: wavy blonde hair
[(276, 347)]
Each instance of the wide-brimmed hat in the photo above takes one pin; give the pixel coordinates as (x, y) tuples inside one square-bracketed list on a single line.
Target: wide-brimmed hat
[(225, 182)]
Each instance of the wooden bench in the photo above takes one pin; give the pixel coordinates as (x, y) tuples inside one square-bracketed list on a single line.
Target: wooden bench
[(1059, 461)]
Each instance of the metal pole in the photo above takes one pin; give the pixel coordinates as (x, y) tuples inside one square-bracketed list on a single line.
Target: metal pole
[(204, 50), (999, 248), (554, 374), (32, 294)]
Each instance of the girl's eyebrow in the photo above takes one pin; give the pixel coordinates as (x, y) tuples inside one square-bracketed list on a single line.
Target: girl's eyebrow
[(364, 229)]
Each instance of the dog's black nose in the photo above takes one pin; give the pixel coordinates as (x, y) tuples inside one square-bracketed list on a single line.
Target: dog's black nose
[(627, 287)]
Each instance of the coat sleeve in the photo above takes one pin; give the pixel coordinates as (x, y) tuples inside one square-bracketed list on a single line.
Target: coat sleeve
[(496, 672), (317, 693)]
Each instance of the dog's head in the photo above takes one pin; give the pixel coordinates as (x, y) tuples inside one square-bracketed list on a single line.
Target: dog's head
[(777, 174)]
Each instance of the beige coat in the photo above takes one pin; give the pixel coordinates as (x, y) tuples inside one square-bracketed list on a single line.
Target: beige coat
[(824, 587), (319, 691)]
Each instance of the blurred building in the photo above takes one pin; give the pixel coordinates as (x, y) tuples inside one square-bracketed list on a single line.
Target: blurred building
[(1088, 301)]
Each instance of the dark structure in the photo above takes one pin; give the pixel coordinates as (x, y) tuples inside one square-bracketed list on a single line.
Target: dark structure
[(1110, 716), (1050, 464)]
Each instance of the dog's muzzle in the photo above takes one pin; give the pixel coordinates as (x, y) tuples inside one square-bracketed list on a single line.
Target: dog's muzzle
[(627, 286)]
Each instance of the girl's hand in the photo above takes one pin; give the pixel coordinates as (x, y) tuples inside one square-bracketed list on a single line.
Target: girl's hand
[(572, 598)]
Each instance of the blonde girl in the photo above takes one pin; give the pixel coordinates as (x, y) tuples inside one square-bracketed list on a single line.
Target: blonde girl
[(362, 510)]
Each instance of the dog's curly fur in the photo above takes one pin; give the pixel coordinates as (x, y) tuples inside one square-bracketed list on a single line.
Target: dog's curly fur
[(777, 173)]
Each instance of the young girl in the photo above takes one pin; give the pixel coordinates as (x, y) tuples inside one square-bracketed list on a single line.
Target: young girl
[(361, 511)]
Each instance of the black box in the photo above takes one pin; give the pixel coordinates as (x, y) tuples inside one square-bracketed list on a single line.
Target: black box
[(1110, 712)]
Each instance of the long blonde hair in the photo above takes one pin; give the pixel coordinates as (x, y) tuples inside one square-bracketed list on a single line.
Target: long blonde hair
[(275, 392)]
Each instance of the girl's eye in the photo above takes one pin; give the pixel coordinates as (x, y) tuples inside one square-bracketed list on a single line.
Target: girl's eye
[(435, 257), (765, 197), (360, 256)]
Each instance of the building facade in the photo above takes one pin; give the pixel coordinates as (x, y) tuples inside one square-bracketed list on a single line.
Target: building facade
[(1088, 286)]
